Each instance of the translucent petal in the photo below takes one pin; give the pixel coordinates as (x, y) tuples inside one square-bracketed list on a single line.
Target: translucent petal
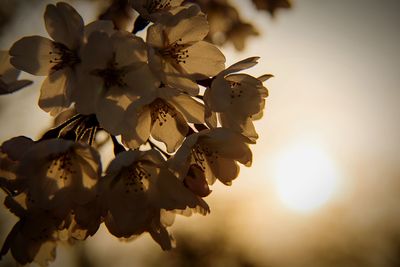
[(170, 129), (99, 43), (106, 26), (139, 130), (187, 26), (192, 110), (33, 55), (241, 65), (204, 60), (55, 94), (64, 24), (172, 194), (110, 110), (225, 170), (128, 49)]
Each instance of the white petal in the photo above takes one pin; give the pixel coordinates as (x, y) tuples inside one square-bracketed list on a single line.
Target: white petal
[(55, 94), (265, 77), (225, 170), (97, 52), (172, 194), (192, 110), (171, 129), (64, 24), (99, 26), (8, 73), (141, 81), (33, 55), (110, 111), (91, 89), (204, 60), (128, 48), (179, 80), (140, 128), (190, 27), (241, 65), (155, 36)]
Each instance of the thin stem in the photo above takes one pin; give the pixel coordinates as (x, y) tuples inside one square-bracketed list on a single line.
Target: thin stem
[(92, 134), (55, 132)]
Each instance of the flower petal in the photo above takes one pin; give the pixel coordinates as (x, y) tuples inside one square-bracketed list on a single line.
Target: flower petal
[(171, 129), (187, 26), (55, 94), (192, 110), (139, 126), (241, 65), (64, 24), (204, 60), (33, 55), (225, 170)]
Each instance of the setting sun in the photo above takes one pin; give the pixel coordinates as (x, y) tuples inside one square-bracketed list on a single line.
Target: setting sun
[(305, 177)]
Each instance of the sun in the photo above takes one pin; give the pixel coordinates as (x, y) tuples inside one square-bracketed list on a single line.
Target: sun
[(305, 177)]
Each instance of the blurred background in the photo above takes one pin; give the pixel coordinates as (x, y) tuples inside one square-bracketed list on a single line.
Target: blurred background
[(324, 188)]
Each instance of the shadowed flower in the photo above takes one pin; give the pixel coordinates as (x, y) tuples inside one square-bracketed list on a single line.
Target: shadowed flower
[(11, 153), (215, 152), (56, 59), (177, 53), (137, 188), (163, 113), (272, 5), (9, 82), (109, 83), (226, 25), (121, 14), (59, 175), (152, 9), (33, 238), (238, 99)]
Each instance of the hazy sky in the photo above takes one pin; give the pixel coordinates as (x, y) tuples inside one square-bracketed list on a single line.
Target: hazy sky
[(337, 75)]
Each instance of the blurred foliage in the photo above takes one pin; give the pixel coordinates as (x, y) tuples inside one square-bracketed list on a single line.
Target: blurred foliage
[(213, 250)]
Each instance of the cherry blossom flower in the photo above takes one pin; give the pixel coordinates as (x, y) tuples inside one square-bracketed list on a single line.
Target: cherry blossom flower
[(215, 152), (138, 187), (33, 238), (237, 98), (226, 24), (9, 82), (55, 58), (177, 53), (121, 14), (60, 175), (152, 9), (11, 153), (163, 113), (110, 83), (196, 181)]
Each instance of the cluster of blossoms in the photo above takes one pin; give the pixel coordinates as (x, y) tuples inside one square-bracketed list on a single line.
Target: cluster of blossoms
[(178, 118)]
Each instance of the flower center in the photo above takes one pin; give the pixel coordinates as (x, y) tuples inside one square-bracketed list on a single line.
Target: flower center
[(61, 167), (236, 92), (176, 52), (156, 5), (160, 111), (112, 76), (136, 179), (63, 57), (202, 154)]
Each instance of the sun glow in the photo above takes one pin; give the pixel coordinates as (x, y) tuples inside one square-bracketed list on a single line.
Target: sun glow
[(305, 177)]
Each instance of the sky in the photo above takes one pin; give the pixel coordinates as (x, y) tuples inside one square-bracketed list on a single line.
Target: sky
[(336, 93)]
